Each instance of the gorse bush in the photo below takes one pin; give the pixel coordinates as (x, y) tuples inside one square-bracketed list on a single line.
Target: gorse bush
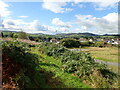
[(81, 64)]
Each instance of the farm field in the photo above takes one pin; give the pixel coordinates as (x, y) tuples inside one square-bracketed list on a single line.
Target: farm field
[(109, 54)]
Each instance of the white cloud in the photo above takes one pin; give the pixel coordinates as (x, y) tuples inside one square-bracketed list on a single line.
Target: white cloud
[(81, 6), (31, 27), (35, 25), (101, 4), (23, 16), (111, 17), (56, 7), (85, 23), (4, 12), (106, 24), (58, 22)]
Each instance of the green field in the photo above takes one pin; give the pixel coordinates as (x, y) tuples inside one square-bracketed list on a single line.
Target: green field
[(107, 54), (65, 80)]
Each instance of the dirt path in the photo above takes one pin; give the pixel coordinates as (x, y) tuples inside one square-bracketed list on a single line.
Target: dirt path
[(107, 63)]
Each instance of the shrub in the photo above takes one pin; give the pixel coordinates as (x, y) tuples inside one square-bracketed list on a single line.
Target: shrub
[(11, 34), (99, 44), (86, 43), (22, 63), (15, 35), (69, 42), (81, 64), (22, 35)]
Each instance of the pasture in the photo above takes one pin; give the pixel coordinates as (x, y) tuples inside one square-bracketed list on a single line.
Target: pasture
[(109, 54)]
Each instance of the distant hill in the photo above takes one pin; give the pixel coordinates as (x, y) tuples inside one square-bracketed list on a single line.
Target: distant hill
[(75, 35)]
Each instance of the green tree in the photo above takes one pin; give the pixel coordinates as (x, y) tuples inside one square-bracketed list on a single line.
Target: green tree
[(15, 35), (11, 34), (1, 34), (22, 35), (69, 42), (86, 43)]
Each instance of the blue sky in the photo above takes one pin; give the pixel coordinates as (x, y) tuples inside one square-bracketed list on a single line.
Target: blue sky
[(60, 17)]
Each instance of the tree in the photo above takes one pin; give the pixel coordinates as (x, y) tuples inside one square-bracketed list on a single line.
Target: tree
[(15, 35), (1, 34), (22, 35), (86, 43), (69, 42), (11, 34)]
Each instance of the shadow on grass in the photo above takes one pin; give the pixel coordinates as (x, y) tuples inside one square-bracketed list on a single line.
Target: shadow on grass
[(50, 80)]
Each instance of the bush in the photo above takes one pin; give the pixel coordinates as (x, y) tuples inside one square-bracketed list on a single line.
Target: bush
[(21, 65), (15, 35), (22, 35), (69, 42), (11, 34), (81, 64), (99, 44), (87, 43)]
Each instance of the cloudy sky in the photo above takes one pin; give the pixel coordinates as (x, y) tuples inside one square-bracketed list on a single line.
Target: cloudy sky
[(60, 16)]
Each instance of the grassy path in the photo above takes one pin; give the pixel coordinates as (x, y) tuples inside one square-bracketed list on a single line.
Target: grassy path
[(64, 80)]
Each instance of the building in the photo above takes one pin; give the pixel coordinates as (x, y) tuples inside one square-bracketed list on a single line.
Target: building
[(54, 41)]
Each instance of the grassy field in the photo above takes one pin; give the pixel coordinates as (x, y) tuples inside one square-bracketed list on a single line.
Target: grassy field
[(114, 68), (59, 79), (106, 54)]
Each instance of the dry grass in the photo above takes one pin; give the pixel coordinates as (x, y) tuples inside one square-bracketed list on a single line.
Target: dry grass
[(106, 54), (22, 40)]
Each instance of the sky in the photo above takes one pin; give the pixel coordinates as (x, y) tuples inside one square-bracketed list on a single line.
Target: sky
[(61, 16)]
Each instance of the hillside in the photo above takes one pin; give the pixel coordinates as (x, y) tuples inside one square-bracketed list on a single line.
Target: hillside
[(47, 65), (64, 35)]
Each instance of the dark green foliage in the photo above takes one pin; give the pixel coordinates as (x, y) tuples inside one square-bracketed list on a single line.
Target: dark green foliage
[(69, 42), (80, 63), (28, 76), (22, 35), (11, 34), (15, 35), (1, 34), (86, 43), (72, 61), (52, 49)]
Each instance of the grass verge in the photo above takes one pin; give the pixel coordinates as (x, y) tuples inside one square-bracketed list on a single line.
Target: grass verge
[(54, 66)]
